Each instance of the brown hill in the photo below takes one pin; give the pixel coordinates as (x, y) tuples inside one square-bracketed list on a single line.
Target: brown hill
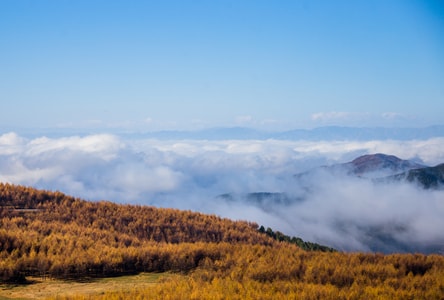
[(51, 233), (380, 162)]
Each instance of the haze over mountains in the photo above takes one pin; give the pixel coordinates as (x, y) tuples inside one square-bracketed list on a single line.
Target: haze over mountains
[(380, 164), (380, 172), (387, 168), (320, 133), (382, 168), (355, 213), (329, 133)]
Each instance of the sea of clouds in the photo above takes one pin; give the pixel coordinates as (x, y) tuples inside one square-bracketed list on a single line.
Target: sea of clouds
[(344, 212)]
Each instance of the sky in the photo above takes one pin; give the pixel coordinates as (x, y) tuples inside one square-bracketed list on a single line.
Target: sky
[(92, 71), (155, 65)]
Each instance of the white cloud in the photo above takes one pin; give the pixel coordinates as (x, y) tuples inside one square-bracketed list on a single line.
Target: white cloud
[(10, 143), (190, 174), (347, 118), (10, 139), (105, 146), (333, 115), (392, 115), (244, 119)]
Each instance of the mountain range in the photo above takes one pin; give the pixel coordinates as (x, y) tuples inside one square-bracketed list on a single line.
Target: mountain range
[(327, 133), (319, 133)]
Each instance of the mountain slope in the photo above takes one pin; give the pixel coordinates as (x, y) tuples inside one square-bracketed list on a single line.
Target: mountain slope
[(140, 222), (427, 177), (50, 233)]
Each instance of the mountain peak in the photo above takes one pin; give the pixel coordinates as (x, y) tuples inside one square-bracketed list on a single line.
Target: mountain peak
[(380, 162), (375, 157)]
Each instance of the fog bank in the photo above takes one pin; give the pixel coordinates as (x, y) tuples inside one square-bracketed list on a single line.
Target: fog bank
[(341, 211)]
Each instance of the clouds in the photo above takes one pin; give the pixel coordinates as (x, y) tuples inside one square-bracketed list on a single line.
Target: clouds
[(333, 115), (360, 118), (105, 146), (356, 214), (344, 212)]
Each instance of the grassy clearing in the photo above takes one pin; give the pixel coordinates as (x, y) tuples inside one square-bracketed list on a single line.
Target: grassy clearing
[(42, 289)]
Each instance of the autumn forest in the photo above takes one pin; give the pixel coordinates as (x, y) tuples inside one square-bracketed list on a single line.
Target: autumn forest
[(51, 235)]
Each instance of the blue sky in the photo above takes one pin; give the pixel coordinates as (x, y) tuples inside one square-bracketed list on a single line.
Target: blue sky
[(150, 65)]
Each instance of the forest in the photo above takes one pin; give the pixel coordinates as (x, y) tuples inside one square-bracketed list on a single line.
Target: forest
[(52, 235)]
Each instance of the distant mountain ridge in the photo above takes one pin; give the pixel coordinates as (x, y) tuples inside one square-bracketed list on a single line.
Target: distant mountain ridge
[(327, 133), (320, 133), (363, 133)]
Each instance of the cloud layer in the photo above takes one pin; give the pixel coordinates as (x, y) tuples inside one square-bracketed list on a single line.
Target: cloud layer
[(358, 118), (347, 213)]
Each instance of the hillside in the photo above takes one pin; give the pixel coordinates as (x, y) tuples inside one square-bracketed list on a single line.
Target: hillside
[(49, 234), (427, 177), (52, 227), (140, 223)]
